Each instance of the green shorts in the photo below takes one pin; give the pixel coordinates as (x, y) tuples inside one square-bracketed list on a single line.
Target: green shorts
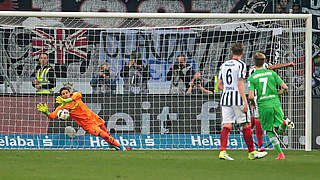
[(270, 116)]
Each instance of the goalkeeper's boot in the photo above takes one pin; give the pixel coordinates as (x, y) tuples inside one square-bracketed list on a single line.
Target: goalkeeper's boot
[(224, 156), (122, 148), (289, 123), (281, 156), (256, 155), (115, 147)]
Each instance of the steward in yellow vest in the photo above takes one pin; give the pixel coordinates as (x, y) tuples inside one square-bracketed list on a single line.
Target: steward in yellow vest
[(45, 77)]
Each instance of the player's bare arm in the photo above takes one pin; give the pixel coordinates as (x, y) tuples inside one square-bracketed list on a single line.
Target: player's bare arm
[(283, 89), (242, 94), (190, 89), (220, 84), (251, 99), (205, 91), (279, 66)]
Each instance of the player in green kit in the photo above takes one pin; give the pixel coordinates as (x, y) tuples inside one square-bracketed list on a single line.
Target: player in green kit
[(264, 81)]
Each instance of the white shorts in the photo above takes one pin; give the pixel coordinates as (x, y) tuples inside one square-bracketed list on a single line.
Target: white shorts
[(234, 114), (256, 110)]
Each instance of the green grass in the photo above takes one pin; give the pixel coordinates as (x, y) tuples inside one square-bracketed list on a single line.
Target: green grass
[(166, 165)]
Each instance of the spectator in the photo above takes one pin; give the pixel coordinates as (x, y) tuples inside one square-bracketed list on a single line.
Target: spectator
[(135, 75), (284, 6), (278, 9), (197, 85), (296, 9), (102, 83), (44, 76), (180, 75)]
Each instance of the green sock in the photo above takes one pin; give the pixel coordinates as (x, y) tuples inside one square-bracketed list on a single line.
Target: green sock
[(275, 142)]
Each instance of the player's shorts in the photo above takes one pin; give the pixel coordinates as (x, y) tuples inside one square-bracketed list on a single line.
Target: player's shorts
[(271, 117), (234, 114), (92, 125)]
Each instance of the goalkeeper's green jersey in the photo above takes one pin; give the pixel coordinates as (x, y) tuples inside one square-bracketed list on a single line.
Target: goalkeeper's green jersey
[(264, 81)]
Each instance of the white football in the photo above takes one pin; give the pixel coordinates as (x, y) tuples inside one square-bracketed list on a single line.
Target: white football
[(63, 114)]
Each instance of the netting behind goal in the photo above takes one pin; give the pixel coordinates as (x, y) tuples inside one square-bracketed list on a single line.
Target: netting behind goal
[(127, 71)]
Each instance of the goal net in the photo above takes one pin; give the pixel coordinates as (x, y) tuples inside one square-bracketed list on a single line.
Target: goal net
[(151, 77)]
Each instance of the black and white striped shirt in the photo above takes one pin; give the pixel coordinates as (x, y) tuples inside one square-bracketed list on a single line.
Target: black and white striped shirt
[(230, 72), (253, 68)]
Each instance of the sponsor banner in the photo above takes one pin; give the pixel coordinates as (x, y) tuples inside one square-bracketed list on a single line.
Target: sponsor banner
[(135, 141)]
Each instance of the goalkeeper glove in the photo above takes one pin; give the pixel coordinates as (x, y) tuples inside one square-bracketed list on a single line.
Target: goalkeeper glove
[(43, 108), (62, 101)]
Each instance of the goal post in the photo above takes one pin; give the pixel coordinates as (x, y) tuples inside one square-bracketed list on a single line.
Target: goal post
[(144, 107), (308, 100)]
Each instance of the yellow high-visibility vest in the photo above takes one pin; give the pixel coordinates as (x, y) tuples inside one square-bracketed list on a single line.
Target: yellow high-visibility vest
[(42, 78), (216, 84)]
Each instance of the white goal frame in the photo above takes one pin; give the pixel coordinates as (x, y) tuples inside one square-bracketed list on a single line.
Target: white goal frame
[(308, 39)]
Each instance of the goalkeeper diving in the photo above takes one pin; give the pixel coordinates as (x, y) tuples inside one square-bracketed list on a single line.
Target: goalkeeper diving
[(82, 115)]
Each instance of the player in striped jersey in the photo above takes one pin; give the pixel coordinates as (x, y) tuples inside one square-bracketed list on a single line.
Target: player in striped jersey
[(257, 123), (234, 105)]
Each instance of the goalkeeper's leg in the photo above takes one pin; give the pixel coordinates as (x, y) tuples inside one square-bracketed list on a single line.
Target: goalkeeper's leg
[(103, 128), (109, 139), (98, 131)]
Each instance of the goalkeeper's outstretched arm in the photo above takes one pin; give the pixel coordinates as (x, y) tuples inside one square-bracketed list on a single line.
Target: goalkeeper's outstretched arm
[(279, 66), (44, 109)]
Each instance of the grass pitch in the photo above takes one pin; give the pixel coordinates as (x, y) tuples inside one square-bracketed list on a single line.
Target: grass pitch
[(164, 165)]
